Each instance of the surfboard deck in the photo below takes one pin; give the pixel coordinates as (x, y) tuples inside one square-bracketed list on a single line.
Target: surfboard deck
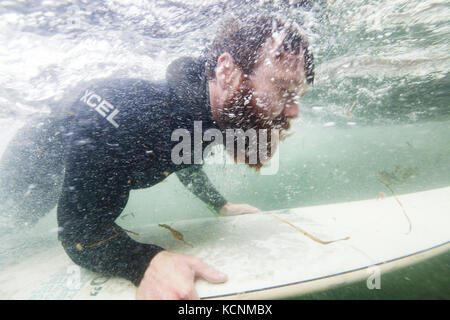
[(265, 255)]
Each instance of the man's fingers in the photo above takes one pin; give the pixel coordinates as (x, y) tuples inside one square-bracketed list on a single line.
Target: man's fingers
[(172, 276), (186, 291), (253, 210), (207, 272), (194, 295), (245, 209)]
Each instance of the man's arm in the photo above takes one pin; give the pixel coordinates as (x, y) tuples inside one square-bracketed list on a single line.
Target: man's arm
[(94, 194), (93, 197), (196, 181)]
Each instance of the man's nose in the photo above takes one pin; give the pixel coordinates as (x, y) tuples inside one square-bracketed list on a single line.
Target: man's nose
[(291, 110)]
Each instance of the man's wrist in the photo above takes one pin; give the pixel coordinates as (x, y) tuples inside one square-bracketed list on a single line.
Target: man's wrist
[(225, 208), (216, 208), (141, 269)]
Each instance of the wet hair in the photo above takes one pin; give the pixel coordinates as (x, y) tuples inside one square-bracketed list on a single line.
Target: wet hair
[(243, 37)]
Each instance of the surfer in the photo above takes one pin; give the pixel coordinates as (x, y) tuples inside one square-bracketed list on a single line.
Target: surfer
[(116, 136)]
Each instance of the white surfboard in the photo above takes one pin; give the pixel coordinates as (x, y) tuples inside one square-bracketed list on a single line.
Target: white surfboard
[(269, 255)]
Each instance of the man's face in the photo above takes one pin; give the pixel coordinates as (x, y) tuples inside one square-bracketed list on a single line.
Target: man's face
[(267, 98), (277, 83)]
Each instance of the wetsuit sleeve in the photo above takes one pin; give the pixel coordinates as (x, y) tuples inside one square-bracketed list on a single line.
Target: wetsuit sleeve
[(196, 181), (94, 194)]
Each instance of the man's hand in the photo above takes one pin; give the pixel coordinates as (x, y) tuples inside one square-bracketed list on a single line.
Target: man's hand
[(171, 276), (230, 209)]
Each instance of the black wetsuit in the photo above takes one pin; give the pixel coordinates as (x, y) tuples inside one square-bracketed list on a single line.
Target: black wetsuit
[(116, 137)]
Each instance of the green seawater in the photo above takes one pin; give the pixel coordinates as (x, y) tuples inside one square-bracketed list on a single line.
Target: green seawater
[(425, 280)]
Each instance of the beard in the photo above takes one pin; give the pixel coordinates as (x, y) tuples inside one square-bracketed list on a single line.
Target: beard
[(243, 113)]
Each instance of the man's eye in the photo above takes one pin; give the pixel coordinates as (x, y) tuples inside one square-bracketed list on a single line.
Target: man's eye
[(286, 94)]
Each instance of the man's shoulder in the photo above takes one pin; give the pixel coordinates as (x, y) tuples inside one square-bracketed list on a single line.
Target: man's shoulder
[(124, 86), (123, 92), (184, 69), (112, 88), (117, 103), (186, 78)]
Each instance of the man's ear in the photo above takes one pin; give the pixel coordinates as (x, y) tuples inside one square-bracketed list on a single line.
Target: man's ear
[(228, 74), (274, 45)]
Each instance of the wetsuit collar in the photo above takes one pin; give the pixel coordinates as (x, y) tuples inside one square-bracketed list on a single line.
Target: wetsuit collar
[(189, 88)]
